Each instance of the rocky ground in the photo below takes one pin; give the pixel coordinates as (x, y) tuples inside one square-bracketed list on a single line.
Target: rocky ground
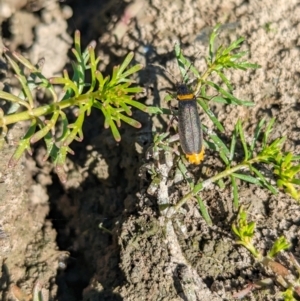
[(49, 231)]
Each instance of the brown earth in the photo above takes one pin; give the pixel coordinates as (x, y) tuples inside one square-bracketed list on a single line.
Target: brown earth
[(50, 231)]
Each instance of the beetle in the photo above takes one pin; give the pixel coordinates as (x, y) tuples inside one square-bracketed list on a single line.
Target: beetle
[(189, 125)]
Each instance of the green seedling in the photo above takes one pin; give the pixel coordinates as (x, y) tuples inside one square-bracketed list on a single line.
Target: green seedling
[(112, 95), (218, 61), (286, 171), (246, 168), (243, 161), (245, 231)]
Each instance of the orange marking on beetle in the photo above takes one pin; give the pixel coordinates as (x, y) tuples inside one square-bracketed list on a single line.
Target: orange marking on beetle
[(185, 96), (196, 158)]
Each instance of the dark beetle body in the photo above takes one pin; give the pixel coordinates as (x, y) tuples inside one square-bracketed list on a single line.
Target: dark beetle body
[(189, 125)]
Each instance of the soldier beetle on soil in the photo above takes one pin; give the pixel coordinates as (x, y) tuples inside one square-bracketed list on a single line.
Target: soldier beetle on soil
[(189, 125)]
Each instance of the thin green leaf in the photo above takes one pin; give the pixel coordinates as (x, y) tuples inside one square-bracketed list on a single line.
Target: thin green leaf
[(68, 84), (24, 144), (184, 64), (237, 56), (278, 143), (77, 42), (218, 142), (157, 110), (268, 130), (247, 178), (51, 147), (114, 130), (295, 181), (130, 121), (13, 64), (48, 125), (60, 161), (235, 192), (113, 80), (233, 144), (264, 180), (24, 62), (230, 97), (133, 90), (15, 99), (246, 65), (137, 105), (223, 157), (204, 211), (76, 130), (220, 99), (181, 61), (243, 140), (224, 79), (93, 65), (210, 114), (221, 184), (256, 135), (102, 81), (124, 106), (233, 45), (76, 54), (83, 64), (212, 38), (26, 91), (132, 70), (125, 63)]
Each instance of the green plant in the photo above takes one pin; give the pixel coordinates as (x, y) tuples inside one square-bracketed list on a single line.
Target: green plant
[(284, 166), (112, 95), (224, 58), (258, 160), (242, 160), (245, 232)]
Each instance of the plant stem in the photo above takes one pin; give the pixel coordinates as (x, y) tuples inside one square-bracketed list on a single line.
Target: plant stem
[(47, 109), (203, 78), (227, 172)]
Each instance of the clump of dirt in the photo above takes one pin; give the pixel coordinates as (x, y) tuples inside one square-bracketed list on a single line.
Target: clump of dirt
[(101, 235)]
